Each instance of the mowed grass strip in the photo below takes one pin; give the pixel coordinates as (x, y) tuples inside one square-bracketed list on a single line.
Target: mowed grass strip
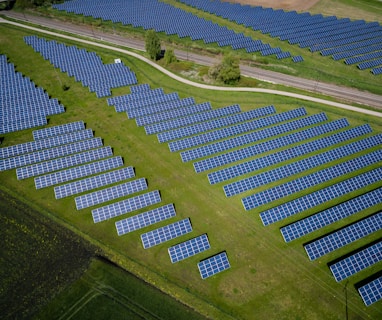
[(267, 276)]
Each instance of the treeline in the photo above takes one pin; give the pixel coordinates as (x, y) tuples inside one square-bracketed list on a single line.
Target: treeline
[(34, 3)]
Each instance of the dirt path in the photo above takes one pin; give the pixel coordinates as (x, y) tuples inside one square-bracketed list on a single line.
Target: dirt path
[(298, 5)]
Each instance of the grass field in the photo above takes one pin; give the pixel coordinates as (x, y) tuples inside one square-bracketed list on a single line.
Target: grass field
[(267, 279)]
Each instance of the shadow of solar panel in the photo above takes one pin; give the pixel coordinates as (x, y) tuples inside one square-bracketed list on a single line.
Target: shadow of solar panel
[(357, 262), (218, 134), (77, 172), (63, 163), (57, 130), (108, 194), (299, 166), (188, 248), (47, 154), (125, 206), (37, 145), (342, 237), (94, 182), (145, 219), (371, 292), (213, 265), (166, 233), (319, 220)]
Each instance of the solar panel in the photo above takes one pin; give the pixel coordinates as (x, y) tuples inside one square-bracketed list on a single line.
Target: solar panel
[(265, 161), (331, 215), (318, 197), (77, 172), (57, 130), (94, 182), (145, 219), (213, 265), (125, 206), (166, 233), (188, 248), (371, 292), (32, 146), (357, 262), (297, 167), (342, 237), (315, 178), (108, 194), (51, 153)]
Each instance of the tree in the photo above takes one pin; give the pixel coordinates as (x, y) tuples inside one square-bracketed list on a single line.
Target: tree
[(153, 47), (228, 71), (169, 56)]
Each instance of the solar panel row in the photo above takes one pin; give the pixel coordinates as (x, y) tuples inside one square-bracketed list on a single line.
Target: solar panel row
[(371, 292), (62, 163), (188, 248), (77, 172), (357, 262), (218, 134), (145, 219), (139, 108), (32, 146), (57, 130), (265, 161), (51, 153), (166, 233), (313, 199), (343, 237), (94, 182), (111, 193), (125, 206), (213, 265), (319, 220)]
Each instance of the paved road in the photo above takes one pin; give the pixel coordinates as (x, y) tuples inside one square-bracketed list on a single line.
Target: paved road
[(134, 43)]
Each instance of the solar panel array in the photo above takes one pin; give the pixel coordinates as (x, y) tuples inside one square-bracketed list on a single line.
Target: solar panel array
[(357, 262), (111, 193), (371, 292), (145, 219), (86, 67), (23, 105), (166, 233), (135, 13), (328, 34), (188, 248), (213, 265), (343, 237), (124, 206)]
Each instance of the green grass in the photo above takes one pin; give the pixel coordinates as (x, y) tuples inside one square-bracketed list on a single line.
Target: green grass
[(267, 279)]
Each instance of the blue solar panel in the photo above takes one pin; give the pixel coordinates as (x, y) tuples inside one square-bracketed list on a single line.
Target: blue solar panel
[(213, 265), (318, 177), (94, 182), (111, 193), (77, 172), (119, 208), (299, 166), (57, 130), (342, 237), (371, 292), (331, 215), (144, 107), (166, 233), (188, 248), (47, 154), (357, 262), (62, 163), (313, 199), (281, 142), (32, 146), (145, 219), (218, 134)]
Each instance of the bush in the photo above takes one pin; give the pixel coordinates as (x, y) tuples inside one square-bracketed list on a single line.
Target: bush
[(169, 56), (153, 45), (228, 71)]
